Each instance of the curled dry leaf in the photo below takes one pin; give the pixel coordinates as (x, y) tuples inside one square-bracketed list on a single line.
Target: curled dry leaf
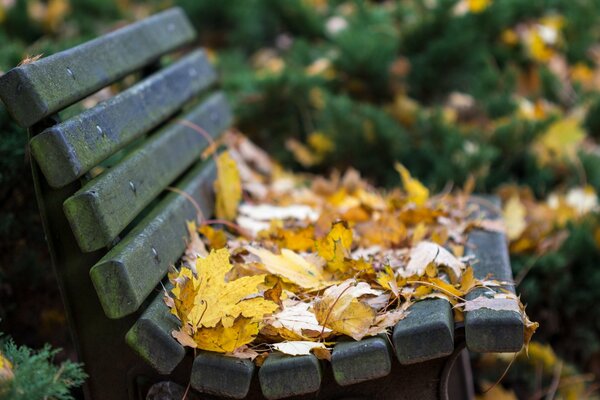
[(427, 253)]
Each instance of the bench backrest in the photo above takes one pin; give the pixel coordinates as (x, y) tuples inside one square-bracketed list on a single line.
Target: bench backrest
[(121, 226)]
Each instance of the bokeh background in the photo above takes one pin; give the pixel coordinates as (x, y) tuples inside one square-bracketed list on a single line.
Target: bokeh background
[(501, 93)]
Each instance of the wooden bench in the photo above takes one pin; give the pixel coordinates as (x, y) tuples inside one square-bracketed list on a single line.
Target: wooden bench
[(113, 235)]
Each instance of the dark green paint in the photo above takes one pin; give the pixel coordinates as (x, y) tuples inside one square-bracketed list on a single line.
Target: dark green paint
[(220, 375), (34, 91), (150, 337), (283, 376), (426, 333), (489, 330), (101, 209), (68, 150), (128, 273), (355, 362)]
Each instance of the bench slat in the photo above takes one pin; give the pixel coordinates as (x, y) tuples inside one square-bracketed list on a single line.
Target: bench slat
[(220, 375), (101, 209), (150, 337), (68, 150), (426, 333), (488, 330), (355, 362), (125, 276), (34, 91), (283, 376)]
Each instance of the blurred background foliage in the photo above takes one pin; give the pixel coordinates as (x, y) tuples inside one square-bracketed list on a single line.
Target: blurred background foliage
[(504, 92)]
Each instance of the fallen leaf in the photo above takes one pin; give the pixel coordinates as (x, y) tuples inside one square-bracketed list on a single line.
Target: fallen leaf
[(292, 267), (297, 348), (228, 187), (417, 193), (428, 252)]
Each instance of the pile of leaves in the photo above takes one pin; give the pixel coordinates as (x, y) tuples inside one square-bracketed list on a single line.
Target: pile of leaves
[(303, 259)]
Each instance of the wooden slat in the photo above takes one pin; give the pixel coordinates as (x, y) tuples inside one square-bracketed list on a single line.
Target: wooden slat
[(355, 362), (150, 337), (101, 209), (125, 276), (34, 91), (426, 333), (68, 150), (283, 376), (221, 375), (489, 330)]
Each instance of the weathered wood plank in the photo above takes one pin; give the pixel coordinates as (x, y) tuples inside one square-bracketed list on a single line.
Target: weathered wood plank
[(355, 362), (34, 91), (102, 208), (220, 375), (150, 337), (426, 333), (283, 376), (488, 330), (68, 150), (128, 273)]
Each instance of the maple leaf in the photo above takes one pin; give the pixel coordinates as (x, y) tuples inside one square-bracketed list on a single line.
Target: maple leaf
[(417, 192), (228, 187), (335, 247), (207, 300)]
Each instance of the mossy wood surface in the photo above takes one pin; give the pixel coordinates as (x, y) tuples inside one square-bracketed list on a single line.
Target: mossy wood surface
[(34, 91), (68, 150), (489, 330), (102, 208)]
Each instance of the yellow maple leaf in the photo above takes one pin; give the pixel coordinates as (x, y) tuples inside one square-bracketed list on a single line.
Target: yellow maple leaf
[(207, 300), (335, 247), (228, 187), (417, 192), (227, 339)]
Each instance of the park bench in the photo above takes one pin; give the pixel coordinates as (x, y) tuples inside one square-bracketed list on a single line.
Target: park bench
[(101, 178)]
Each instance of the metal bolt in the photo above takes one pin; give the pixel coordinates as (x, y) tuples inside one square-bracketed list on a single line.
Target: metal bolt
[(100, 131), (132, 186), (70, 72), (155, 254)]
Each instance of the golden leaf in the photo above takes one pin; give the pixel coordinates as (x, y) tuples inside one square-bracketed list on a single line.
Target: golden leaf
[(207, 300), (228, 187), (341, 309), (417, 193), (216, 237), (514, 217), (292, 267), (560, 142), (227, 339), (335, 247)]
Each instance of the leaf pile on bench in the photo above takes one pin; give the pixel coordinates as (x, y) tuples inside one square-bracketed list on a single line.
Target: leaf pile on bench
[(304, 260)]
